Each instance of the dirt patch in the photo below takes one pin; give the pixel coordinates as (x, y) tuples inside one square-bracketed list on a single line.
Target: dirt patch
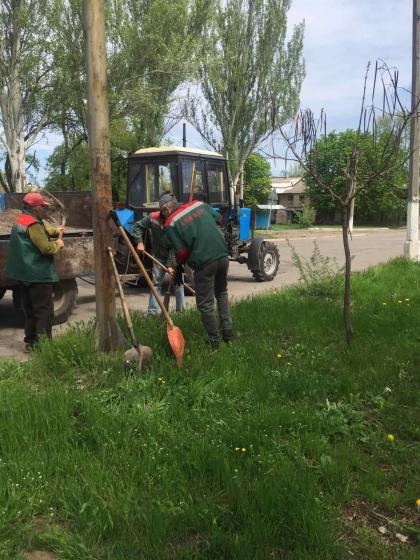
[(39, 555), (395, 528), (193, 544)]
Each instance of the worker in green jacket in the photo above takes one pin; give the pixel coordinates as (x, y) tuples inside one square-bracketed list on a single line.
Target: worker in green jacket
[(200, 243), (153, 224), (30, 262)]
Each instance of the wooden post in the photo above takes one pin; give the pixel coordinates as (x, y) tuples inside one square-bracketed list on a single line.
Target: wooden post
[(100, 169), (411, 245)]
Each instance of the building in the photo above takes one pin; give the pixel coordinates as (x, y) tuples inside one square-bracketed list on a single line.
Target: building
[(291, 196)]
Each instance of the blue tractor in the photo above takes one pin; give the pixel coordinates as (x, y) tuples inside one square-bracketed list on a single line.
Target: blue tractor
[(196, 175)]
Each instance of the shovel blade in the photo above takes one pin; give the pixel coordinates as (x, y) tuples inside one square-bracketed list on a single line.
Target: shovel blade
[(177, 342)]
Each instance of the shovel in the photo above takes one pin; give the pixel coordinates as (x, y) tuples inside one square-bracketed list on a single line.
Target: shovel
[(138, 352), (175, 336)]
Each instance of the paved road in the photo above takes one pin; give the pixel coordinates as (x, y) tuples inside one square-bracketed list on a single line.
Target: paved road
[(368, 248)]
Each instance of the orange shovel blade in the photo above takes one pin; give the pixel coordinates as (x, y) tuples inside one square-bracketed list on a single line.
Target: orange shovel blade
[(177, 342)]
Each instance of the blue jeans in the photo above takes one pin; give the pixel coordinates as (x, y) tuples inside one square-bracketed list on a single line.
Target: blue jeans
[(158, 278)]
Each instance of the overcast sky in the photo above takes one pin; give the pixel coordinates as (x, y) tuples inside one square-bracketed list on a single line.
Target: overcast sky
[(341, 36)]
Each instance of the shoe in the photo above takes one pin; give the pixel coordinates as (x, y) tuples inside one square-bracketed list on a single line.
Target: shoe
[(228, 335), (215, 344), (28, 348)]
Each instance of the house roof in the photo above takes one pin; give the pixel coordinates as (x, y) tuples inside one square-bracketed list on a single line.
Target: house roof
[(281, 184), (297, 187)]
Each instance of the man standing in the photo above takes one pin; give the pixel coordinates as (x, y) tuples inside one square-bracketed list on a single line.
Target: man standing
[(199, 242), (30, 261), (153, 223)]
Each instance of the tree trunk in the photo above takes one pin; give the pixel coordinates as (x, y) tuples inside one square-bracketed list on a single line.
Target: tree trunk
[(14, 137), (347, 277)]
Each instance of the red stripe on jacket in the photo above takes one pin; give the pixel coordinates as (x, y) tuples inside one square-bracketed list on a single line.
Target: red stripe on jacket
[(178, 210), (26, 220)]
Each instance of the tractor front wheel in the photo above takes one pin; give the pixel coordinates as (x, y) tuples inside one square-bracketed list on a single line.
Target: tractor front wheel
[(269, 259)]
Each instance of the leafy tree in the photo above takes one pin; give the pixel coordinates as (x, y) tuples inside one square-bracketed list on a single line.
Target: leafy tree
[(383, 195), (25, 73), (250, 78), (257, 179)]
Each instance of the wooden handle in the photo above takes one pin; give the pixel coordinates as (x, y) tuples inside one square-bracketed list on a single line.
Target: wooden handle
[(123, 300), (146, 276), (166, 269)]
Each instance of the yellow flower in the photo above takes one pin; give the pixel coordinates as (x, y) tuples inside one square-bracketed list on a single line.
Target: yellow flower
[(237, 448), (384, 303), (418, 503), (243, 449), (407, 299), (399, 301), (390, 437), (289, 364), (279, 355)]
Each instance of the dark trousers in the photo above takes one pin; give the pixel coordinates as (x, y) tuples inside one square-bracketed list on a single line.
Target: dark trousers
[(211, 283), (38, 307)]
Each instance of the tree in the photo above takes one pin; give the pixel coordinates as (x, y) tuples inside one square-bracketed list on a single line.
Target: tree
[(152, 49), (25, 71), (257, 180), (249, 78), (373, 156)]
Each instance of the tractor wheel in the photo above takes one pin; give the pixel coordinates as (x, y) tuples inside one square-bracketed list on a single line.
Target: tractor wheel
[(269, 262), (65, 295)]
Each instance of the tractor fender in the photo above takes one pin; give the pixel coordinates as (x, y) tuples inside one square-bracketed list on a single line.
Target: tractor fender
[(254, 253)]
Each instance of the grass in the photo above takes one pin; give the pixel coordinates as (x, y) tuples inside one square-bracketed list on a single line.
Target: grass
[(273, 447)]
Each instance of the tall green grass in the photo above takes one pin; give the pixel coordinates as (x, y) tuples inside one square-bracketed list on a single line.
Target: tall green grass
[(272, 447)]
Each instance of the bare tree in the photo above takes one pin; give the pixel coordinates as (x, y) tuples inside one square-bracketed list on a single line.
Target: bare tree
[(302, 138)]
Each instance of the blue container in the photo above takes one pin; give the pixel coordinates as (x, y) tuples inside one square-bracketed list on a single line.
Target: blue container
[(126, 217), (262, 219), (245, 224), (2, 202)]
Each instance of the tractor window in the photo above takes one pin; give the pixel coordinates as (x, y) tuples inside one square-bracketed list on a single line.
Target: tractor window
[(146, 182), (193, 186), (216, 182)]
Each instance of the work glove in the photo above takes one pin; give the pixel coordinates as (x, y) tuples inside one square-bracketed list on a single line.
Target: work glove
[(179, 275)]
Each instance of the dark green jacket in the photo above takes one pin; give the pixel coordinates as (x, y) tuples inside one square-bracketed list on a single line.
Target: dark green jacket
[(160, 242), (193, 232), (30, 253)]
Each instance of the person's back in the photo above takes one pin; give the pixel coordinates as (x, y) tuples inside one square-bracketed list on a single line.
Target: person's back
[(193, 225)]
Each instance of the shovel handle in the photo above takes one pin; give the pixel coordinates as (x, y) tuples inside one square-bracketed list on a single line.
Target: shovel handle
[(146, 276), (126, 311), (166, 269)]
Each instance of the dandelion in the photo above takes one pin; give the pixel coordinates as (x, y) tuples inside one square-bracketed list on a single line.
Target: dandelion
[(237, 448), (390, 437), (418, 503), (407, 299), (161, 380), (384, 303), (279, 355), (243, 449), (289, 363), (399, 301)]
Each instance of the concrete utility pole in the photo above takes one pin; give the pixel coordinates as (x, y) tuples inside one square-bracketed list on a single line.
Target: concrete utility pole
[(100, 169), (411, 245)]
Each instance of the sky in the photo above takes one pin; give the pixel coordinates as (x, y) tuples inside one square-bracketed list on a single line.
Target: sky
[(341, 37)]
